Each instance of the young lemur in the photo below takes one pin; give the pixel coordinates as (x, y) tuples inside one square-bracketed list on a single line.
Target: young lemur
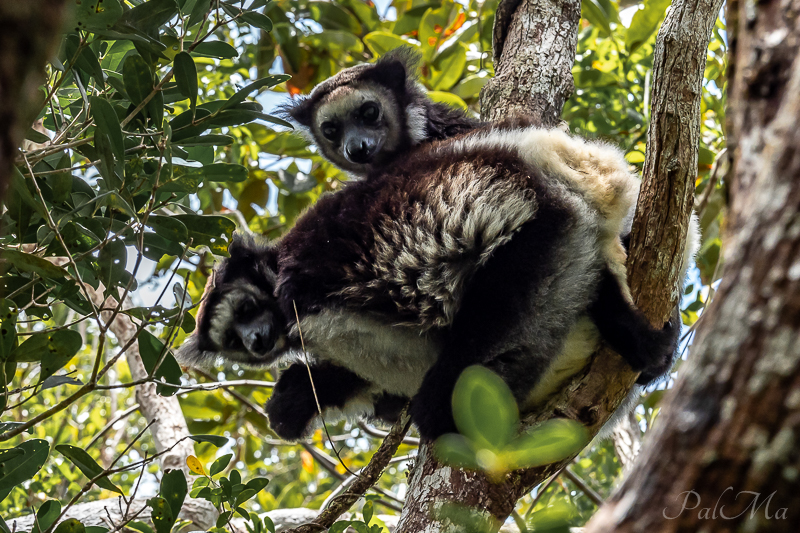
[(497, 246)]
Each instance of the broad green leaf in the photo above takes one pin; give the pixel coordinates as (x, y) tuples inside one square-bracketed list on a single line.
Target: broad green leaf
[(215, 440), (216, 49), (594, 12), (162, 516), (448, 98), (25, 262), (169, 228), (138, 78), (150, 16), (169, 372), (269, 81), (174, 489), (456, 450), (96, 15), (332, 17), (13, 473), (108, 125), (644, 23), (220, 464), (380, 42), (46, 515), (212, 231), (10, 453), (201, 7), (547, 443), (260, 21), (448, 67), (8, 332), (367, 512), (71, 525), (206, 140), (155, 247), (220, 172), (432, 27), (87, 466), (186, 77), (484, 408)]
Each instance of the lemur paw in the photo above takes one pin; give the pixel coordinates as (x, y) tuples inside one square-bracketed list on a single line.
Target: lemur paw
[(662, 346)]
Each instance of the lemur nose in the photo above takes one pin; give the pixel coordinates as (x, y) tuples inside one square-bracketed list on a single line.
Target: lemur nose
[(359, 151), (260, 342)]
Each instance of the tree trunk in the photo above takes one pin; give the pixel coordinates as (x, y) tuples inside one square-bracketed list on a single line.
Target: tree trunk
[(30, 30), (664, 210), (724, 455), (534, 49)]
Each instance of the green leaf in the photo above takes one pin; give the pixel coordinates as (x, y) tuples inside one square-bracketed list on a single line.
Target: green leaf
[(169, 372), (34, 264), (547, 443), (138, 78), (169, 228), (150, 16), (448, 98), (174, 489), (380, 42), (206, 140), (10, 453), (367, 512), (71, 525), (186, 77), (13, 473), (96, 15), (220, 464), (46, 515), (258, 20), (332, 17), (212, 231), (456, 450), (87, 466), (241, 94), (594, 12), (201, 7), (484, 408), (448, 67), (162, 516), (108, 124), (8, 332), (221, 172), (645, 22), (214, 440), (216, 49)]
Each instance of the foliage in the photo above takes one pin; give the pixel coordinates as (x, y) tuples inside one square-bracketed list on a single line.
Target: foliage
[(154, 141), (489, 438)]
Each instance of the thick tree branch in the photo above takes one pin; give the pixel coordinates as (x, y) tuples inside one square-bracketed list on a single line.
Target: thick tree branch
[(727, 434)]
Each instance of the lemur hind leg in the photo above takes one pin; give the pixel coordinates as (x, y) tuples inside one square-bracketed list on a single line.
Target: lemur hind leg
[(647, 349), (516, 311), (292, 406)]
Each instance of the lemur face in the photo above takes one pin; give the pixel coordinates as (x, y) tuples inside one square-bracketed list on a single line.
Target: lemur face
[(239, 319), (357, 127)]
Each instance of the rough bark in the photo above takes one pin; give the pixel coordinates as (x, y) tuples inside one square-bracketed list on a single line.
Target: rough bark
[(660, 229), (30, 31), (732, 421), (534, 49)]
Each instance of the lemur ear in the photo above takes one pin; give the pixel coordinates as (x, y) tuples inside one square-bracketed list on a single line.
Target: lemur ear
[(299, 110), (396, 68)]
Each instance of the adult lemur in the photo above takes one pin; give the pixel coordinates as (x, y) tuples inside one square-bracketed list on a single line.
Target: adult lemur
[(499, 246)]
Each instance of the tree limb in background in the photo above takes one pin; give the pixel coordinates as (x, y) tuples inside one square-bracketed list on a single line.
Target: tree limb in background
[(30, 31), (660, 227), (367, 477), (727, 434)]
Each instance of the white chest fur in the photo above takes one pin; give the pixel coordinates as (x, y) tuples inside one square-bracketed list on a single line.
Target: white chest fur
[(394, 358)]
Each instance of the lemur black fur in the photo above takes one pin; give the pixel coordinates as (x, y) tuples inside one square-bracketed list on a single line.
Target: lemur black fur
[(499, 247)]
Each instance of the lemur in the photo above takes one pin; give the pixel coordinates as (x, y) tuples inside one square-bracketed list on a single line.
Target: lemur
[(499, 246)]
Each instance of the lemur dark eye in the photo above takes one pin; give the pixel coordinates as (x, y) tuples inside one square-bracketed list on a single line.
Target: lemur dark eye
[(245, 311), (370, 112), (330, 130)]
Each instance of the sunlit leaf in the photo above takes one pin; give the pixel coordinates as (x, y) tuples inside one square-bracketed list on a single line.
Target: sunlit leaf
[(13, 473)]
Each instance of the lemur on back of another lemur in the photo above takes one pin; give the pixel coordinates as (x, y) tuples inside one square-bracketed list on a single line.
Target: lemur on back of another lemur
[(366, 116), (497, 247)]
